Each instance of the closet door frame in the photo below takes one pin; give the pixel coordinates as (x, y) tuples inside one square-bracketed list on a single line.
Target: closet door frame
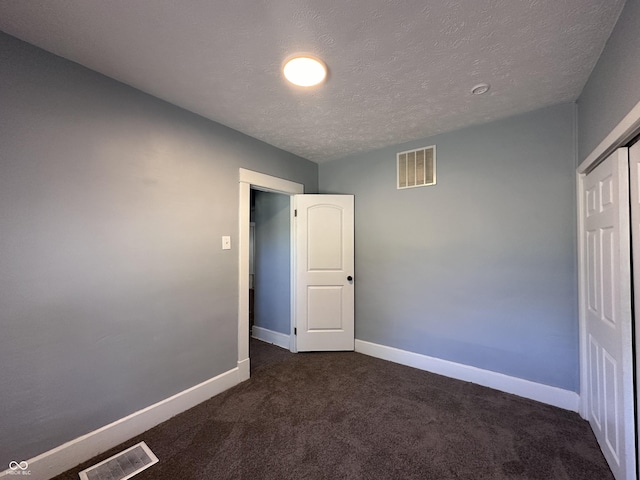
[(623, 133)]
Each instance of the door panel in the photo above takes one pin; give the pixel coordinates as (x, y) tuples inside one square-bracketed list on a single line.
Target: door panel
[(592, 271), (325, 239), (608, 283), (605, 193), (324, 302), (609, 377), (594, 375), (324, 308)]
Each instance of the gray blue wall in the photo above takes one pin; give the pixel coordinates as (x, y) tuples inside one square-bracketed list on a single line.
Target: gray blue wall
[(613, 88), (272, 262), (114, 293), (479, 269), (114, 290)]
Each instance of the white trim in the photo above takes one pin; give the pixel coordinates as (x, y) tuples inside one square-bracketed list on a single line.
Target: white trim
[(244, 370), (555, 396), (260, 181), (619, 136), (269, 183), (582, 322), (270, 336), (60, 459), (293, 280), (243, 270)]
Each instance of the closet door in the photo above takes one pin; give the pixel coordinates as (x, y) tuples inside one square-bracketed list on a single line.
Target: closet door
[(606, 309)]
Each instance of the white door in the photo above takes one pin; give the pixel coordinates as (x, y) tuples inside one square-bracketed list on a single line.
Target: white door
[(324, 300), (605, 193)]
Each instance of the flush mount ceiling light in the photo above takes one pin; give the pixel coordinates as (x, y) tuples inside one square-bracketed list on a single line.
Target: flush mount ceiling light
[(305, 71), (480, 89)]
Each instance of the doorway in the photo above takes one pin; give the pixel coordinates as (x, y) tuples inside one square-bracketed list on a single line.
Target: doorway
[(321, 260), (266, 183), (270, 268)]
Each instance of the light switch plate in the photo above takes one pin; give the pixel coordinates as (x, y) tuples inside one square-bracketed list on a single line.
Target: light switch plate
[(226, 243)]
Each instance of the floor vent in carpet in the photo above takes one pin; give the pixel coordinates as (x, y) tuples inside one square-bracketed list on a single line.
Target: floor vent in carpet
[(122, 465)]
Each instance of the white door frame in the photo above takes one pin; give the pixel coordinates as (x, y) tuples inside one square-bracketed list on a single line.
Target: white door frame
[(622, 134), (266, 183)]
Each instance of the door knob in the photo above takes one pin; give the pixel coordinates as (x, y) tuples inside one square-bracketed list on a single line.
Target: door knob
[(349, 278)]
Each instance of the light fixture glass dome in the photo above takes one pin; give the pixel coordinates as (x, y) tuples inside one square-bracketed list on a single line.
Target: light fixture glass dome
[(305, 71)]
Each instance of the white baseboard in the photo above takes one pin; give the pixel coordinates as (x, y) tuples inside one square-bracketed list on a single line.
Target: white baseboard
[(244, 370), (555, 396), (269, 336), (81, 449)]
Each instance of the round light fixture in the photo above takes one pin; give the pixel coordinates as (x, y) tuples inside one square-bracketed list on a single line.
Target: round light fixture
[(480, 89), (305, 71)]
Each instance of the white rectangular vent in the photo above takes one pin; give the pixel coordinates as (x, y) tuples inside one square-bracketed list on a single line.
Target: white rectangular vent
[(417, 168), (122, 465)]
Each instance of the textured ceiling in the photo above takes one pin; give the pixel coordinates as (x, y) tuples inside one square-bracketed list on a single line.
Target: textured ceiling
[(399, 70)]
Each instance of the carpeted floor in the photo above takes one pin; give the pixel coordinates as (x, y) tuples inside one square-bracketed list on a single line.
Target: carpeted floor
[(349, 416)]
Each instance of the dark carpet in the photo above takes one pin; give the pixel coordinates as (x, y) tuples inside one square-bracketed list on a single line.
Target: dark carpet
[(349, 416)]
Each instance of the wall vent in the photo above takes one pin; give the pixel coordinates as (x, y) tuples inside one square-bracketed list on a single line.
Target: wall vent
[(417, 168), (122, 465)]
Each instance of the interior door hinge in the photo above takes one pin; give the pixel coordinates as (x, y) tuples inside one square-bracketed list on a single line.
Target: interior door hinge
[(295, 331), (295, 212)]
